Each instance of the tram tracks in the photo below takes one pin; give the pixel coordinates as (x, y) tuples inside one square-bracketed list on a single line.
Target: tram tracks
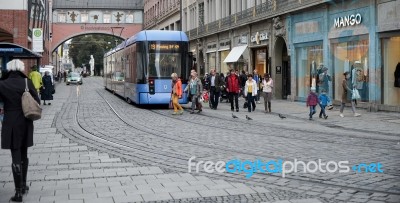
[(149, 156)]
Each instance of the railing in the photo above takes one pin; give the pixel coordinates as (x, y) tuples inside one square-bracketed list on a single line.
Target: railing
[(260, 12)]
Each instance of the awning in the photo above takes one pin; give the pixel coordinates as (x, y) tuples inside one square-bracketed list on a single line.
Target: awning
[(235, 54), (16, 51)]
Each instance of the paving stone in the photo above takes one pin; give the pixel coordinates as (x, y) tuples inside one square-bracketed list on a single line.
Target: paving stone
[(128, 198), (156, 197), (185, 195), (212, 193)]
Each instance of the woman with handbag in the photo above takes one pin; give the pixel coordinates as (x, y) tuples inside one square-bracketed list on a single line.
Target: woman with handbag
[(194, 89), (346, 95), (47, 89), (17, 130)]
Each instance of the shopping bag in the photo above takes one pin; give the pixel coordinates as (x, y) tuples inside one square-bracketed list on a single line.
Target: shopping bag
[(355, 94)]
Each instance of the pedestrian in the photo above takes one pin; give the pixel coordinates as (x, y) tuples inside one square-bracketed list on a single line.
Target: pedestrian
[(47, 88), (17, 130), (346, 95), (194, 89), (65, 76), (176, 94), (36, 78), (312, 101), (250, 92), (323, 102), (214, 80), (267, 84), (256, 77), (233, 89), (323, 83)]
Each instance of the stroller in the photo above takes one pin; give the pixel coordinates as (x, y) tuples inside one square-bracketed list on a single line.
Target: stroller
[(224, 94)]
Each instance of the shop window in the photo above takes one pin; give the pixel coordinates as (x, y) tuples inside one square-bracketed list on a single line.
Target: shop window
[(352, 57), (309, 62), (224, 66), (391, 71), (212, 61)]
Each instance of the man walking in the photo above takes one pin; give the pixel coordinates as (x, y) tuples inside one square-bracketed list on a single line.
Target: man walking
[(215, 84), (233, 89)]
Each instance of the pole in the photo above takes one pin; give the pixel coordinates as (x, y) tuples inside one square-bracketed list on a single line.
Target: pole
[(180, 15)]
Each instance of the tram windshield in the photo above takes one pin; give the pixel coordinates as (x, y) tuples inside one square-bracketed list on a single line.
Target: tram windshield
[(165, 58)]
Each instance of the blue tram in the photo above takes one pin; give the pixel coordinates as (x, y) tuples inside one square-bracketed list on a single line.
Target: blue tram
[(140, 68)]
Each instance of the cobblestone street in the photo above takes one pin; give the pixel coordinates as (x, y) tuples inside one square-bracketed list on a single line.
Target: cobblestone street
[(91, 146)]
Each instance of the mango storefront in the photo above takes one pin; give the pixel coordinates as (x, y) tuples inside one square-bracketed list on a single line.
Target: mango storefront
[(345, 38)]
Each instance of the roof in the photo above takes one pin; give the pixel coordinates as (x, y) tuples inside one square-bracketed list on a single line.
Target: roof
[(98, 4), (158, 35), (17, 51)]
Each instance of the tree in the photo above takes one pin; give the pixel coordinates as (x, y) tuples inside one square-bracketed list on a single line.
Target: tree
[(83, 46)]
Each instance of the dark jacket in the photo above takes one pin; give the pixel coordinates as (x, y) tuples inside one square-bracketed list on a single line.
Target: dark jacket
[(312, 99), (17, 131), (47, 92), (218, 82)]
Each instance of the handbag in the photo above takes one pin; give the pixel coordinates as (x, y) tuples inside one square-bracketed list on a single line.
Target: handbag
[(355, 94), (30, 107), (53, 91)]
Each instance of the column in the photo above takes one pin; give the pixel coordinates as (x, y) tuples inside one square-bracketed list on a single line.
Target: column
[(218, 9), (205, 12), (233, 6)]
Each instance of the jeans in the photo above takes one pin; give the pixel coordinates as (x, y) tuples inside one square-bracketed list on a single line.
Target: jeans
[(322, 112), (233, 95), (312, 111), (214, 97), (195, 101), (251, 102)]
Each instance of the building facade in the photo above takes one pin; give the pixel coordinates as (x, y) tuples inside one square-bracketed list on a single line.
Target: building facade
[(18, 19), (162, 15), (293, 40)]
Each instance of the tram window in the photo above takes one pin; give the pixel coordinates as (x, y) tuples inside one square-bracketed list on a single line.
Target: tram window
[(162, 65)]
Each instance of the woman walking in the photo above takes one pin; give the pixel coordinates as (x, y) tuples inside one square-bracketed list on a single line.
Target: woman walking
[(17, 130), (47, 89), (346, 95), (176, 94), (194, 90), (250, 91), (267, 85)]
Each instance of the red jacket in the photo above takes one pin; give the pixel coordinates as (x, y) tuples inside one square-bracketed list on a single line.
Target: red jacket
[(312, 99), (233, 84)]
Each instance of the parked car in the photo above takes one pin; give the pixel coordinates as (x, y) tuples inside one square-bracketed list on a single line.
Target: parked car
[(74, 78)]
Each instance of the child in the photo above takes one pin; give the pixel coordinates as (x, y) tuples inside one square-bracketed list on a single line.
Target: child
[(323, 102), (312, 101)]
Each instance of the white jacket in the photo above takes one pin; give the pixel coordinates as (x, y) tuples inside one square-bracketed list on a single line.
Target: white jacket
[(246, 87), (267, 86)]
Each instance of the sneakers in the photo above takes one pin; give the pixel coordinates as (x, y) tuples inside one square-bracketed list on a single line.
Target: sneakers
[(341, 115), (175, 113), (357, 115), (180, 112), (325, 117)]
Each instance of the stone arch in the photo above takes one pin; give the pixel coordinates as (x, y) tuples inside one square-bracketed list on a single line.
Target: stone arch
[(282, 68)]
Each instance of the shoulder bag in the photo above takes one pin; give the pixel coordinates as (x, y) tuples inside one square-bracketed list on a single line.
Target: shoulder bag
[(30, 107)]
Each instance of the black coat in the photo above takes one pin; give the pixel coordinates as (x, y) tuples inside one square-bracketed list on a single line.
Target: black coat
[(47, 92), (218, 82), (17, 131)]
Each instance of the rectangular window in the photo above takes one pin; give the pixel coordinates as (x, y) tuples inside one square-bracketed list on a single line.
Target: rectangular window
[(164, 59), (309, 62), (212, 61), (351, 56), (62, 18), (84, 17), (106, 18), (129, 18)]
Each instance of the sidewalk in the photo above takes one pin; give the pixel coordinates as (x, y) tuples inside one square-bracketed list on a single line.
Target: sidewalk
[(376, 124)]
